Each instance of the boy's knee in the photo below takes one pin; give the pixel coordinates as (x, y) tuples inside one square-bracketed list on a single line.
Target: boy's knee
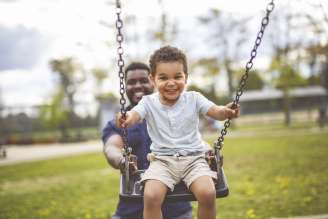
[(152, 198), (207, 196)]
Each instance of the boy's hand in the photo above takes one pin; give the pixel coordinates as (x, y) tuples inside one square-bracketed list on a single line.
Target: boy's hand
[(131, 118), (231, 110), (224, 112), (123, 122)]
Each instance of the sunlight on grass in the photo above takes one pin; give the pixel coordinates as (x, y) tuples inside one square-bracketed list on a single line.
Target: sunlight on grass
[(267, 176)]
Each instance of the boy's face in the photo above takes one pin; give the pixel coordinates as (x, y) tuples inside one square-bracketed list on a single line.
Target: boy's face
[(170, 80)]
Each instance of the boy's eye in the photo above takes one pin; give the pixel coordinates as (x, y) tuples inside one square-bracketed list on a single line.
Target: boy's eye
[(162, 78)]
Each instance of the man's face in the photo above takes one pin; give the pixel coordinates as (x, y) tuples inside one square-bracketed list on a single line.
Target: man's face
[(137, 85)]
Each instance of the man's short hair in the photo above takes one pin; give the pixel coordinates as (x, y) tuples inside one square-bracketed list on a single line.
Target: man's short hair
[(136, 66)]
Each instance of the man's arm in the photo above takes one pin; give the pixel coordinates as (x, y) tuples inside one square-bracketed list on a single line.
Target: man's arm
[(113, 151)]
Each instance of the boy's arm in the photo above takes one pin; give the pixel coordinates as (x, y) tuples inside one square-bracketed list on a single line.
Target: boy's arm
[(132, 117), (223, 112)]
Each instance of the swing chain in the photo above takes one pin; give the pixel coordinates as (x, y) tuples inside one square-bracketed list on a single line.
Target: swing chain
[(120, 63), (242, 83), (126, 149)]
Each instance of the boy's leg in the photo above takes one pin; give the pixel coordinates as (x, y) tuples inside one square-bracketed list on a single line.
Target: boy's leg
[(187, 215), (135, 215), (154, 194), (204, 190)]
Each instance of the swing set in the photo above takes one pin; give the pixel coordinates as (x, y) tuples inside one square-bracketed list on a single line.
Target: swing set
[(130, 188)]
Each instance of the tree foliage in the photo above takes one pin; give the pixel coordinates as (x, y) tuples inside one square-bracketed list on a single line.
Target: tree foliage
[(100, 74), (70, 77), (53, 115), (227, 34), (61, 110), (287, 77), (254, 80)]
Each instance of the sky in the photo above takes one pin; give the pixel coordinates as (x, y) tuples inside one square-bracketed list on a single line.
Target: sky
[(32, 32)]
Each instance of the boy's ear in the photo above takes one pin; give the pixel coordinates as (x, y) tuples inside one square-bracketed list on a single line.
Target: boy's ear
[(186, 78), (151, 79)]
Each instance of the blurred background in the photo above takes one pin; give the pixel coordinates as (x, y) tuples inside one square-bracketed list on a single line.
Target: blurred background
[(59, 84), (58, 74)]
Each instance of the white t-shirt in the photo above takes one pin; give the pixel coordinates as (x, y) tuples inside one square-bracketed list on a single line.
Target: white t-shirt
[(174, 129)]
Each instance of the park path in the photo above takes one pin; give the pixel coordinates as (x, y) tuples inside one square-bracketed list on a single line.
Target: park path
[(18, 154)]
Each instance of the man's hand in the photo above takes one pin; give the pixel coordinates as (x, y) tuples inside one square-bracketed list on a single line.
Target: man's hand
[(132, 164)]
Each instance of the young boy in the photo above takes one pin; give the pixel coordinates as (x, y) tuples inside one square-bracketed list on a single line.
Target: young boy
[(172, 116)]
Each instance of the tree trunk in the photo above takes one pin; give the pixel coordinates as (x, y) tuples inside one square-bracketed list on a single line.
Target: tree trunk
[(287, 108), (229, 74), (324, 75)]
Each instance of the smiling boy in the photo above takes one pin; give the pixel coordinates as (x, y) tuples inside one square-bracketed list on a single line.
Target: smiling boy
[(172, 116)]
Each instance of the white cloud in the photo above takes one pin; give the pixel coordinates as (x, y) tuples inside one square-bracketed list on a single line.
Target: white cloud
[(22, 87), (20, 48)]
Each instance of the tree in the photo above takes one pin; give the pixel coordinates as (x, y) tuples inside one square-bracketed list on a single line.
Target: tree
[(296, 37), (210, 67), (287, 78), (226, 35), (254, 80), (2, 125), (1, 102), (69, 79), (159, 31), (61, 112), (100, 75), (54, 116), (321, 51), (166, 31)]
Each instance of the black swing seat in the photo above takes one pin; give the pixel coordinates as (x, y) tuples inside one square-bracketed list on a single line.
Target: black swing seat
[(180, 193)]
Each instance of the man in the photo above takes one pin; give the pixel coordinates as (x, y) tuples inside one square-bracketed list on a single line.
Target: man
[(137, 85)]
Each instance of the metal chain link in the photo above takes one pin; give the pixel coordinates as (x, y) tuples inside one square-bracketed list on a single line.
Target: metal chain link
[(120, 64), (242, 83), (119, 38)]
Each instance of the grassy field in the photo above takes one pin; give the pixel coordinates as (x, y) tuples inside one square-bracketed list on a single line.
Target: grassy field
[(278, 175)]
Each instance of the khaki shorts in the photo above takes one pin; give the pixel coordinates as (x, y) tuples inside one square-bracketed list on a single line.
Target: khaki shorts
[(170, 170)]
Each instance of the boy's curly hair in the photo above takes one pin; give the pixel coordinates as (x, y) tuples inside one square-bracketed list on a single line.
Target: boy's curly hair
[(167, 54)]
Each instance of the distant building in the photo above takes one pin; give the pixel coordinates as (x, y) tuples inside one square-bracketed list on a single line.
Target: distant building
[(271, 100), (107, 112)]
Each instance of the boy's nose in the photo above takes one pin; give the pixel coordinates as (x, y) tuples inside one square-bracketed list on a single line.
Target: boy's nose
[(170, 82)]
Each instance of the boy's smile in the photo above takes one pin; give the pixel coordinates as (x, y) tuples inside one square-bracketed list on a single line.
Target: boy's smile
[(170, 81)]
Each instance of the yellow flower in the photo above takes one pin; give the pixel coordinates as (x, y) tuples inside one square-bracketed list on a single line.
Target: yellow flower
[(250, 213), (283, 181)]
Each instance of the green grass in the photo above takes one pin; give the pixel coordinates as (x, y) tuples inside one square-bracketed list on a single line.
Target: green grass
[(76, 187), (277, 176), (268, 176), (73, 134)]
